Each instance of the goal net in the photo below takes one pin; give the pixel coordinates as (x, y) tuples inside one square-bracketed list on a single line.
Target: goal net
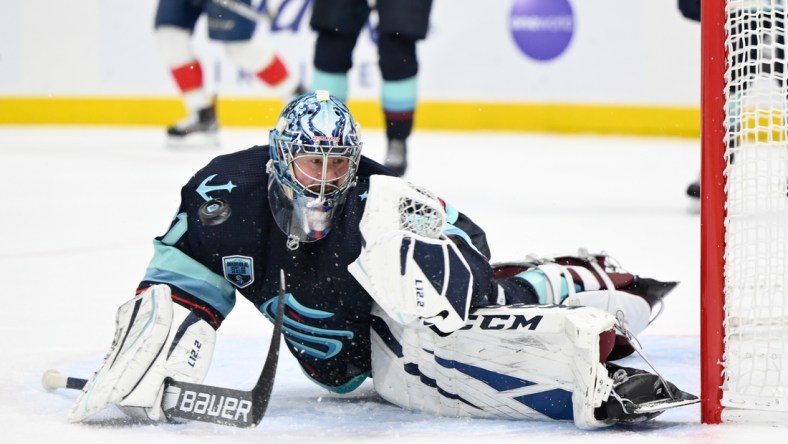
[(744, 212)]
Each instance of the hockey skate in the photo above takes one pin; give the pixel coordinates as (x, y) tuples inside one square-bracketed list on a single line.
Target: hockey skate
[(299, 90), (397, 156), (197, 129), (693, 190), (638, 396)]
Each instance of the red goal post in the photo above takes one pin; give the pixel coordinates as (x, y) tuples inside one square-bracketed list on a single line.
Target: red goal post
[(744, 212)]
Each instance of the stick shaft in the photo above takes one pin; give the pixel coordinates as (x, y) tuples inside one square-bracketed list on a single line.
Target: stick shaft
[(53, 380), (75, 383)]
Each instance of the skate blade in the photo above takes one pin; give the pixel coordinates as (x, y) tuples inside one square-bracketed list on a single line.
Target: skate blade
[(194, 140), (663, 404)]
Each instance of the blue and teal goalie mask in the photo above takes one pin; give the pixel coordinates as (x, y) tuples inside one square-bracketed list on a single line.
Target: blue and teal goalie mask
[(315, 150)]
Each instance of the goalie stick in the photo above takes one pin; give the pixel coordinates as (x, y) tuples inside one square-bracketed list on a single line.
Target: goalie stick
[(207, 403)]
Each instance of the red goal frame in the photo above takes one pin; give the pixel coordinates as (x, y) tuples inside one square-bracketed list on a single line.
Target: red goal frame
[(712, 284)]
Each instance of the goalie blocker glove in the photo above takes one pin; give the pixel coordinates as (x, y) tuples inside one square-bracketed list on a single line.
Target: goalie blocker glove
[(154, 339)]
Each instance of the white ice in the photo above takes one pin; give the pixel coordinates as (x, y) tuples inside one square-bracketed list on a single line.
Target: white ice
[(81, 206)]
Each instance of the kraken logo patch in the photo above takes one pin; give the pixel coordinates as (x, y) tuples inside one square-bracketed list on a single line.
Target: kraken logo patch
[(239, 270)]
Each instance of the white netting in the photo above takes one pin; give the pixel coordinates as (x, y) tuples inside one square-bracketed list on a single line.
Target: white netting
[(756, 252), (421, 213)]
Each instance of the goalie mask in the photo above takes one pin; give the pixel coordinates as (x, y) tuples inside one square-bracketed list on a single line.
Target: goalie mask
[(314, 151)]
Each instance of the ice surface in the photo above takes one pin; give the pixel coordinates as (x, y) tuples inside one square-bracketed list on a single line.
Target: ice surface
[(81, 206)]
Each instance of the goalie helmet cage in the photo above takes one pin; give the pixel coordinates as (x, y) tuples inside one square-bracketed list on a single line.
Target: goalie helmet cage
[(744, 212)]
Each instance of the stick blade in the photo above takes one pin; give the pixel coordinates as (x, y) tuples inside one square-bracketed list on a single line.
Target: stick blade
[(197, 402)]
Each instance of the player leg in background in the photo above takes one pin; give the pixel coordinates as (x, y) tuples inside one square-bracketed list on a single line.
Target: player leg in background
[(173, 28), (174, 24), (338, 27), (691, 10), (237, 35), (401, 23)]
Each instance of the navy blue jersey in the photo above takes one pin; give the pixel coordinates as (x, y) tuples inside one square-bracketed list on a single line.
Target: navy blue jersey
[(224, 24), (327, 320)]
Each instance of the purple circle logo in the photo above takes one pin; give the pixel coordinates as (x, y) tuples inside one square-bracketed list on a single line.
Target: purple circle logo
[(542, 29)]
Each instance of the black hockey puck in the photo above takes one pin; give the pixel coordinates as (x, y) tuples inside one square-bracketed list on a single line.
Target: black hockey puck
[(214, 212)]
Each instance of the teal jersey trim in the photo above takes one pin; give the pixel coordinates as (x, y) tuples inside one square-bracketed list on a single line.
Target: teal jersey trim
[(344, 388), (451, 213), (305, 334), (399, 95), (171, 266), (450, 230), (336, 84)]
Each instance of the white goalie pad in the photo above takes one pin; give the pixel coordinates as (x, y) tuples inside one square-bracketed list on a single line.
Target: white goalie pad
[(633, 311), (555, 283), (408, 267), (154, 339), (516, 362)]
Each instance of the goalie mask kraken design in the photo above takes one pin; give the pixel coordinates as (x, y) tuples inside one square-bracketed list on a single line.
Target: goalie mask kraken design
[(315, 150)]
